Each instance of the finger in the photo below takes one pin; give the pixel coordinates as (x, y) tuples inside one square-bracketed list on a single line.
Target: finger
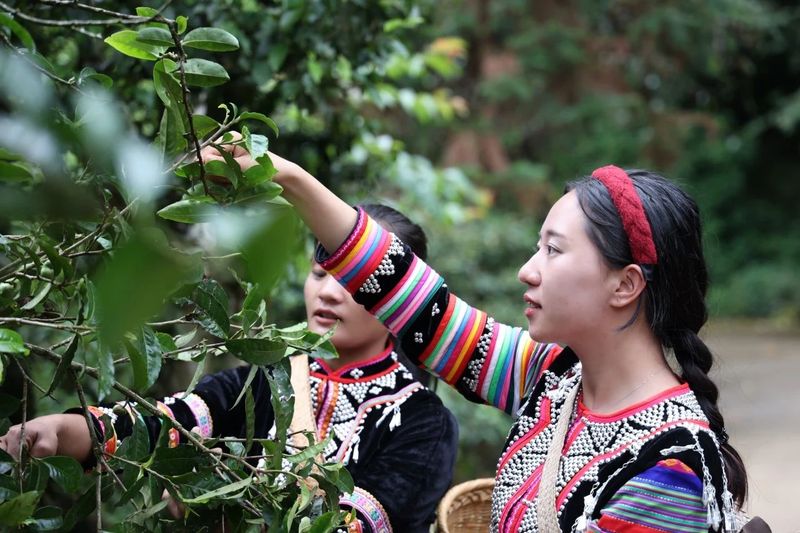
[(174, 507), (11, 442)]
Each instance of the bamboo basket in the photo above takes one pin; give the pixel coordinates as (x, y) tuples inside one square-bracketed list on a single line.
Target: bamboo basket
[(466, 507)]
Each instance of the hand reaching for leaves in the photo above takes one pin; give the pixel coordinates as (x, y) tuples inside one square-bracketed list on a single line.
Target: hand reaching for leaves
[(285, 168), (60, 434)]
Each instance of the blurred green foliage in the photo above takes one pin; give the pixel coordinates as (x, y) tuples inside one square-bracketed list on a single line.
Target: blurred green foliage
[(123, 259)]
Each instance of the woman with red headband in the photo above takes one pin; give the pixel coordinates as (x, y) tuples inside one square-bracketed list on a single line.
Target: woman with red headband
[(616, 420)]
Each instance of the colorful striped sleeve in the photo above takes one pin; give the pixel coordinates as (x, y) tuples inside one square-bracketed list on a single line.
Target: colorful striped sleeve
[(485, 361), (667, 497)]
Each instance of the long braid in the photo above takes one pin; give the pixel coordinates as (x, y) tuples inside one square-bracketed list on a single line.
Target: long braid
[(696, 360)]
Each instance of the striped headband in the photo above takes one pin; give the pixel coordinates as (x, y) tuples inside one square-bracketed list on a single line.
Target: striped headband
[(630, 209)]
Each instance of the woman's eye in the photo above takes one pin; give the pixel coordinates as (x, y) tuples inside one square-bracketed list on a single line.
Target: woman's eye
[(318, 274)]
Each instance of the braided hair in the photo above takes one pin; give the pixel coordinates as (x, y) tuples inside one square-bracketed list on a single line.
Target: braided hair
[(674, 297)]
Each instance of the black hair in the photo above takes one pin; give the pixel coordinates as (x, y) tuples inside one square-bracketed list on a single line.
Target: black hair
[(414, 236), (674, 297), (399, 224)]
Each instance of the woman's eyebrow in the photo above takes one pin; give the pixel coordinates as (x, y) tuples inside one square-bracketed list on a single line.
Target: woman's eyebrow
[(552, 233)]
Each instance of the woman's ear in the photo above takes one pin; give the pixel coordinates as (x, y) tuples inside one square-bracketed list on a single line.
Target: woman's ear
[(630, 284)]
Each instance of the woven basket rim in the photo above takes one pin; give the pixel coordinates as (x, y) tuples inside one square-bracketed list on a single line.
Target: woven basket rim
[(456, 491)]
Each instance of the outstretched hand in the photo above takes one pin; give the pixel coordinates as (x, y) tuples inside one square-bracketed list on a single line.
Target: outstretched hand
[(57, 434), (41, 438), (284, 167)]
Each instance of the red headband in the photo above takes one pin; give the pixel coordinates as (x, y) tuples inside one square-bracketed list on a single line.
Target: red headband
[(629, 206)]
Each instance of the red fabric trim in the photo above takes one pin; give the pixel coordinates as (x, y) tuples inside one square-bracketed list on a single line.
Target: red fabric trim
[(355, 364), (677, 390), (344, 249), (629, 205)]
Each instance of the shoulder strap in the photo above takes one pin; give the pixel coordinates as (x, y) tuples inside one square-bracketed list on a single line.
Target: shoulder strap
[(546, 511)]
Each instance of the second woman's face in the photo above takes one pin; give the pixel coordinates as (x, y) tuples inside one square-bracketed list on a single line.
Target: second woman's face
[(328, 304), (568, 284)]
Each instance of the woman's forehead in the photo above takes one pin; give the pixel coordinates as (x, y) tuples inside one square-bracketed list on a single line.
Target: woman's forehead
[(565, 217)]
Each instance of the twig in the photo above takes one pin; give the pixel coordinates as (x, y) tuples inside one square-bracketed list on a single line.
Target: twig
[(22, 447), (187, 105), (70, 23), (181, 320), (86, 7), (118, 18), (96, 447), (27, 322)]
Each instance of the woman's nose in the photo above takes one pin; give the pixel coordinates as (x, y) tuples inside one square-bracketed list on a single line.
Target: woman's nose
[(331, 289), (529, 272)]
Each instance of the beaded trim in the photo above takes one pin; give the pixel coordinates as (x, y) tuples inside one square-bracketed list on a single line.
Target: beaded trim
[(205, 425), (174, 436), (110, 445), (369, 509)]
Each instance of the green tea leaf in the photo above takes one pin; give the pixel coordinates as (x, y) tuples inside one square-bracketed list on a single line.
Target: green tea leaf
[(254, 369), (11, 342), (212, 39), (46, 519), (325, 522), (155, 37), (65, 364), (256, 144), (152, 352), (237, 487), (175, 461), (282, 400), (250, 115), (308, 453), (145, 11), (14, 172), (107, 371), (190, 210), (40, 296), (204, 73), (17, 510), (257, 351), (212, 303), (181, 22), (250, 417), (126, 42), (145, 356), (19, 31), (203, 125), (65, 471), (166, 342)]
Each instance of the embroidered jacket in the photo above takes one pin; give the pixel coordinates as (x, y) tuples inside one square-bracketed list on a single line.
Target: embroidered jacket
[(655, 466), (393, 435)]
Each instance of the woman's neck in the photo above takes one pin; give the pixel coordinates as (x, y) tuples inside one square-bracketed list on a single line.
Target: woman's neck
[(623, 369), (350, 355)]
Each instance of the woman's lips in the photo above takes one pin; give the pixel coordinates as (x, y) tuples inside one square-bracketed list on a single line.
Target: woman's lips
[(325, 318), (531, 307)]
